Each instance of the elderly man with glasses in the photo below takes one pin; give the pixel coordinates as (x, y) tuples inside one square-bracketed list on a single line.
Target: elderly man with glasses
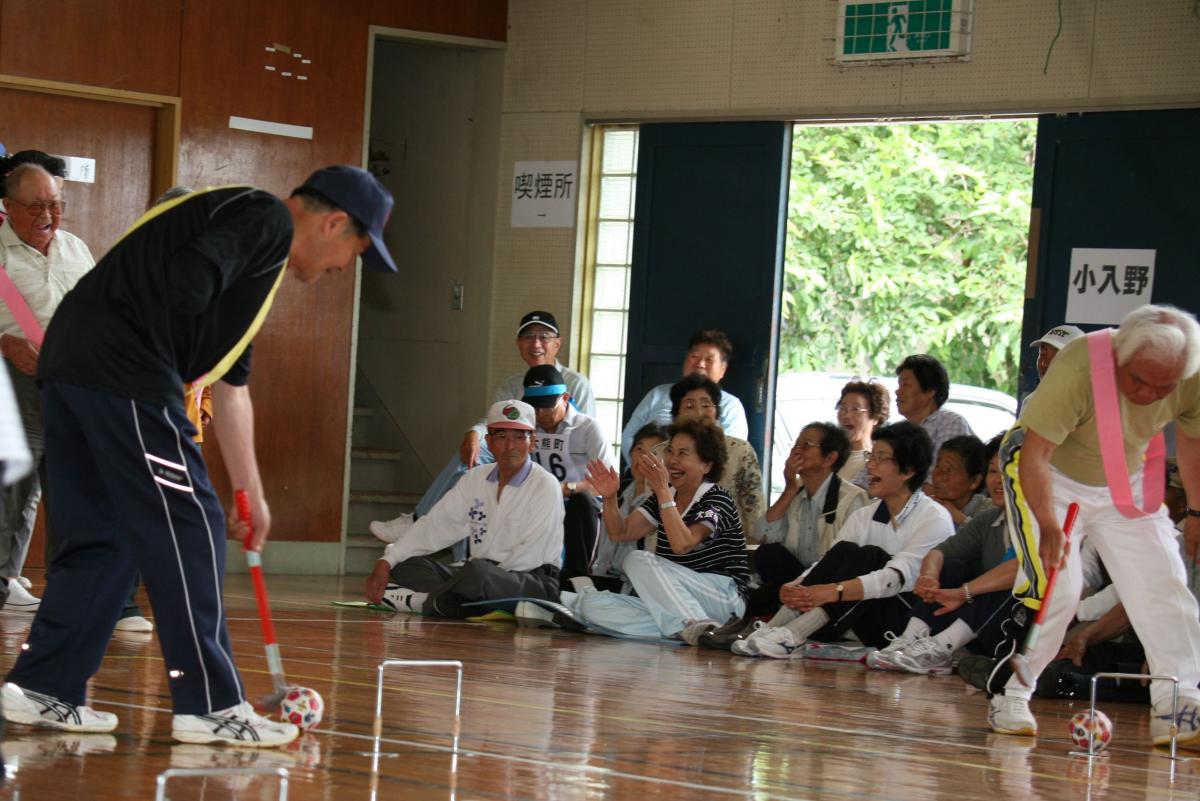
[(42, 264)]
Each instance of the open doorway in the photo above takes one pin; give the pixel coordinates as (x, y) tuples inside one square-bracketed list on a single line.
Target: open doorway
[(433, 140), (903, 239)]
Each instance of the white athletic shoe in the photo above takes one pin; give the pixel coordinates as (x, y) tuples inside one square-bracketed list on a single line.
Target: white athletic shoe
[(239, 725), (924, 656), (748, 645), (778, 643), (1188, 718), (403, 599), (1009, 714), (391, 530), (531, 613), (20, 599), (134, 623), (24, 582), (833, 652), (47, 712)]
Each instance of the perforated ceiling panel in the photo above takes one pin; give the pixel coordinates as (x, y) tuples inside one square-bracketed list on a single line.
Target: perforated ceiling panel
[(658, 56), (1005, 70), (1146, 47), (544, 65)]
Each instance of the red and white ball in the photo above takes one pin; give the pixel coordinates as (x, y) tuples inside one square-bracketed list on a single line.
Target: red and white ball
[(302, 706), (1085, 728)]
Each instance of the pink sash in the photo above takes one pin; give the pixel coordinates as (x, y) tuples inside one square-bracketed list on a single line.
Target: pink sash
[(20, 309), (1111, 434)]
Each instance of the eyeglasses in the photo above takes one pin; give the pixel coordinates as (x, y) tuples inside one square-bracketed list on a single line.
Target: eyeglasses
[(38, 208), (692, 405), (543, 338), (842, 407), (878, 457), (805, 444)]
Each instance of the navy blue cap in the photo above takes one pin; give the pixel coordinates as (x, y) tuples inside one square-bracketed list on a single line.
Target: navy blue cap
[(359, 194)]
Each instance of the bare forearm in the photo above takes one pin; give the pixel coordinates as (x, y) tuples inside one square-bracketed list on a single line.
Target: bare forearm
[(234, 428), (1109, 626), (1000, 577), (931, 565), (778, 510), (1037, 485)]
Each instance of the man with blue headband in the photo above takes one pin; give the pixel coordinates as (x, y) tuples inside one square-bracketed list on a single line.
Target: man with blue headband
[(565, 441)]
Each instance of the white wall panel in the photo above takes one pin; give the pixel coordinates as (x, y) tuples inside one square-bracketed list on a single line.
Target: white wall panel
[(544, 70)]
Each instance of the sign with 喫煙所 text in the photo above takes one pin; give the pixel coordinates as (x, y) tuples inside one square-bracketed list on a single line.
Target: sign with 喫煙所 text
[(543, 194), (1108, 283)]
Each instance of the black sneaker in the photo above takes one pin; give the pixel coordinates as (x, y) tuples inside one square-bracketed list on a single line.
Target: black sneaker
[(723, 637)]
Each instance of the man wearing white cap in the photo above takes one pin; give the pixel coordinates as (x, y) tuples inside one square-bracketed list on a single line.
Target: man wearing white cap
[(1051, 343), (512, 516)]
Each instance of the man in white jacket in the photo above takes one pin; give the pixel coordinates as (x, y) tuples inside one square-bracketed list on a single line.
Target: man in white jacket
[(511, 512)]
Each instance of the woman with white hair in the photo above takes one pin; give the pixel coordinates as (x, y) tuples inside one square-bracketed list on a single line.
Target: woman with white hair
[(1081, 439)]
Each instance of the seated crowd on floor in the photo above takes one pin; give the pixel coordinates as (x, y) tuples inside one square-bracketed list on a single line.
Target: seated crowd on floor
[(888, 546)]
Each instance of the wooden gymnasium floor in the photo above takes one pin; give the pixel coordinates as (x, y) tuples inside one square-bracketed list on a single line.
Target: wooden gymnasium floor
[(555, 715)]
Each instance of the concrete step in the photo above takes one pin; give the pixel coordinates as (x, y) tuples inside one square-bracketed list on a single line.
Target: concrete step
[(362, 552)]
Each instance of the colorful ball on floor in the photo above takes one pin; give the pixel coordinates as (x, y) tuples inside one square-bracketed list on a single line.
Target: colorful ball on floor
[(1097, 730), (302, 706)]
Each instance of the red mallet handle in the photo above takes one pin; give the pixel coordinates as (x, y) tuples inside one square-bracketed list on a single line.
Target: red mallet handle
[(255, 562)]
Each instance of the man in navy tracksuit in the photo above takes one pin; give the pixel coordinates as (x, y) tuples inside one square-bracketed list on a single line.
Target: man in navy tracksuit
[(177, 299)]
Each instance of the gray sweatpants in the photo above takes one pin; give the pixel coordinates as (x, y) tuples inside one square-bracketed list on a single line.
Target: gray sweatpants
[(21, 498)]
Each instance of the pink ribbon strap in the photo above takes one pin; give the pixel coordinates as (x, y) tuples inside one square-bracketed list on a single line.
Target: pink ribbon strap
[(20, 309), (1111, 434)]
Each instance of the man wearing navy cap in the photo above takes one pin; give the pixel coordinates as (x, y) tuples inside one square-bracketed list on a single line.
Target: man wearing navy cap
[(176, 300)]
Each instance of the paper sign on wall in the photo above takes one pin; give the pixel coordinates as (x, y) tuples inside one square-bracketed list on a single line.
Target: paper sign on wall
[(543, 194), (1106, 284)]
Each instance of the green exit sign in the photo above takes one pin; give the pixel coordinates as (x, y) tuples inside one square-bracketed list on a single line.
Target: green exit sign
[(899, 30)]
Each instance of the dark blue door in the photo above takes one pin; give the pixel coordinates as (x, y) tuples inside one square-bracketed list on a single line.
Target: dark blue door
[(1122, 180), (708, 253)]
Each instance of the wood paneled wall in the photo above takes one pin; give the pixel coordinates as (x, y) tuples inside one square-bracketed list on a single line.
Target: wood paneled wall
[(212, 54)]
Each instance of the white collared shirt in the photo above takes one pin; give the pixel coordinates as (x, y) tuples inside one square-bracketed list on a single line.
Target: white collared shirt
[(41, 280)]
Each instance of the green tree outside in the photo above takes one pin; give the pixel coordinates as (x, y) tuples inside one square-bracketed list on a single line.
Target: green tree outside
[(908, 239)]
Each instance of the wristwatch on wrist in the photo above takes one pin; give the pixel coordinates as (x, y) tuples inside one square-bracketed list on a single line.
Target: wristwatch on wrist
[(1193, 512), (840, 588), (571, 487)]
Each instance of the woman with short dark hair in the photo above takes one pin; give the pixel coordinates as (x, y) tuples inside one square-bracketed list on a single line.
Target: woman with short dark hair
[(862, 407), (696, 395), (858, 585)]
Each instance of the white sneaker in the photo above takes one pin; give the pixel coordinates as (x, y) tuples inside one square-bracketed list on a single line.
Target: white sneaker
[(896, 642), (924, 656), (239, 725), (834, 652), (403, 599), (535, 614), (748, 645), (1009, 714), (1188, 718), (134, 623), (390, 530), (24, 582), (20, 599), (777, 643), (47, 712)]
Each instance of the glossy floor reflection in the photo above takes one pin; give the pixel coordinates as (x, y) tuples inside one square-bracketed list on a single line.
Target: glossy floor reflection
[(554, 715)]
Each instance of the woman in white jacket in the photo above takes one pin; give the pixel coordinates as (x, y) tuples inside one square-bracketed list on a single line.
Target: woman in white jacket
[(864, 582)]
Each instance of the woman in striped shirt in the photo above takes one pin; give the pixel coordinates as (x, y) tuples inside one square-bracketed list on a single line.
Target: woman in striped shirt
[(697, 576)]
